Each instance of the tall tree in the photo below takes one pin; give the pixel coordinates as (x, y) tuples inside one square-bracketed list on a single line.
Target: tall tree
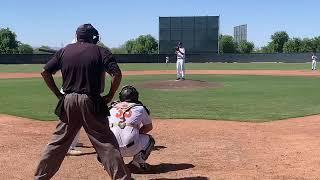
[(308, 45), (8, 42), (129, 46), (316, 42), (278, 40), (292, 46), (144, 44), (245, 47), (227, 44), (268, 48)]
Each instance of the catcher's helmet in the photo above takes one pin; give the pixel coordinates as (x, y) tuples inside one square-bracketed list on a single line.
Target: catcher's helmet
[(87, 32), (129, 94)]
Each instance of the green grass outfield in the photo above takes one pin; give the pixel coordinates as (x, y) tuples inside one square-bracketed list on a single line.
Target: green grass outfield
[(243, 98), (152, 66)]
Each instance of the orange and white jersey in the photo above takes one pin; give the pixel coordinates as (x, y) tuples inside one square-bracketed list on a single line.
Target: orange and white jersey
[(125, 120)]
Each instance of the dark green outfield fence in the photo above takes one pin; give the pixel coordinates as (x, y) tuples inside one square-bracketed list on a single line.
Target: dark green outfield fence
[(160, 58), (199, 34)]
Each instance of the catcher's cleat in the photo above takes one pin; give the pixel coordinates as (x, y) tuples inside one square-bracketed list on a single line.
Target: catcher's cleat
[(139, 162), (140, 166)]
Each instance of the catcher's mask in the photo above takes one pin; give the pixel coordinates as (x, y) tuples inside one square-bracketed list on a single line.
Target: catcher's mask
[(87, 33), (129, 94)]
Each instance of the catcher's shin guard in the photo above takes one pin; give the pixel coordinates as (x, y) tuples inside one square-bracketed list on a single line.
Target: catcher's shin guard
[(146, 153), (143, 155)]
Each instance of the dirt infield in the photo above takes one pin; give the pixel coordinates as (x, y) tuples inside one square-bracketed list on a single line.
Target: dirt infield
[(195, 149), (217, 72), (185, 149)]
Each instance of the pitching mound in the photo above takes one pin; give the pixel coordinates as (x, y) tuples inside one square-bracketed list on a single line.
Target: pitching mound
[(180, 85)]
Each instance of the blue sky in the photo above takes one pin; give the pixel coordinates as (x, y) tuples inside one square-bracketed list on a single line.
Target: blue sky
[(54, 22)]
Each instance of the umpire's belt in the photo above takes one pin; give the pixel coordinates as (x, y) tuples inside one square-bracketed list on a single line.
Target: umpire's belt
[(122, 125)]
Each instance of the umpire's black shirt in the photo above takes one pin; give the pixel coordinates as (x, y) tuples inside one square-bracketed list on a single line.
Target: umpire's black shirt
[(82, 66)]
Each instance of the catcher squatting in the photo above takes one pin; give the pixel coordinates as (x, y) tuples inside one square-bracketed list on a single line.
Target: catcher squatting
[(130, 122)]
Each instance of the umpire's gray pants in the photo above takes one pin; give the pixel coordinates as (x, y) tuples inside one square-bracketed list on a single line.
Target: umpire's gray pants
[(79, 111)]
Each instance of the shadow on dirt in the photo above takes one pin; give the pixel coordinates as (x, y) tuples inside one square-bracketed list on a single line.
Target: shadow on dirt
[(86, 153), (160, 168), (158, 148), (87, 147), (155, 148), (184, 178)]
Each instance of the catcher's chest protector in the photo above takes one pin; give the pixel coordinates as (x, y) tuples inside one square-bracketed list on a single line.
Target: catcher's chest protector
[(123, 115), (123, 109)]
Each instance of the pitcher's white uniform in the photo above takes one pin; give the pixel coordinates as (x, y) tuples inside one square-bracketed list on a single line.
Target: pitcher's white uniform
[(180, 63), (133, 116), (314, 62)]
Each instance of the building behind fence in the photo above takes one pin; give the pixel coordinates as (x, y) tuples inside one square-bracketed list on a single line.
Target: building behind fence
[(240, 33)]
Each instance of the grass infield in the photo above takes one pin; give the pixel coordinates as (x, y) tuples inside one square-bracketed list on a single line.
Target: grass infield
[(242, 98), (151, 66)]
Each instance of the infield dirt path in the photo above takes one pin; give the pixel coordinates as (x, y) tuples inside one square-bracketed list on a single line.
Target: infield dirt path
[(185, 149), (194, 149)]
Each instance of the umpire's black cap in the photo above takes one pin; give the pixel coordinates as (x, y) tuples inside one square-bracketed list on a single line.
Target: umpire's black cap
[(87, 32)]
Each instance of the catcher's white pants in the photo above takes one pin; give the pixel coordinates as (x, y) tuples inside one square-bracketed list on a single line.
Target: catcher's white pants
[(180, 68), (139, 145), (314, 64)]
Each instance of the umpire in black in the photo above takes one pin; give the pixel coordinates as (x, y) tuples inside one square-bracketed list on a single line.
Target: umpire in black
[(83, 66)]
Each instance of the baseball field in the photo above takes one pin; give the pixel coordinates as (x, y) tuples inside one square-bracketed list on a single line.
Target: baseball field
[(226, 121)]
